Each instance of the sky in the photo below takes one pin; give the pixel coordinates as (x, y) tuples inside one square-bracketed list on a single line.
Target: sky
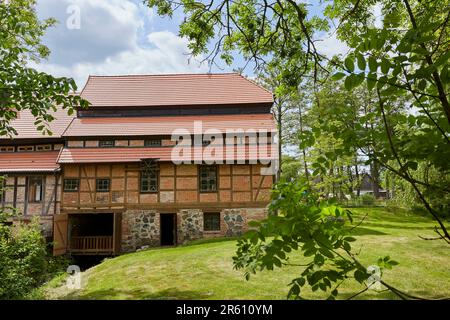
[(118, 37)]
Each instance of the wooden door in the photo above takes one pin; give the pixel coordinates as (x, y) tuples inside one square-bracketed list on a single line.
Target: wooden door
[(60, 241)]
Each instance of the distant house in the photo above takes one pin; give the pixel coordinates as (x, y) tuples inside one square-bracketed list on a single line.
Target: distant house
[(367, 186), (114, 179)]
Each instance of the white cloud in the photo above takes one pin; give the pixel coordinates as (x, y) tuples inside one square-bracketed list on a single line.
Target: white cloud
[(329, 45), (378, 15), (167, 54), (114, 38), (106, 28)]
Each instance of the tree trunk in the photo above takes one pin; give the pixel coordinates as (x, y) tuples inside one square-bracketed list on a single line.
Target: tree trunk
[(375, 175), (303, 151), (358, 181)]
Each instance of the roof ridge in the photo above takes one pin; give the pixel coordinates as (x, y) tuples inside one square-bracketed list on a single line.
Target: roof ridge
[(257, 84), (162, 75), (81, 93)]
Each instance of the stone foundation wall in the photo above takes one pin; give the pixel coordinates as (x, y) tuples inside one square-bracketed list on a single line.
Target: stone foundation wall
[(189, 225), (141, 228)]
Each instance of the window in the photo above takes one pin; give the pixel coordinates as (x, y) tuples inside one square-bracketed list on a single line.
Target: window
[(149, 182), (58, 146), (44, 147), (211, 221), (106, 143), (7, 149), (35, 189), (152, 143), (208, 178), (71, 185), (102, 185), (25, 148)]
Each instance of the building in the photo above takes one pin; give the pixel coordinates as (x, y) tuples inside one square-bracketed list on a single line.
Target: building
[(367, 186), (155, 160), (28, 163)]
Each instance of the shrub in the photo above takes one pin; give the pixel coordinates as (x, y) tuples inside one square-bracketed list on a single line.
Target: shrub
[(368, 199), (24, 260)]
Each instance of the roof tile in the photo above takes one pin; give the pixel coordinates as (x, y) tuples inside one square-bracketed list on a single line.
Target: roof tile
[(147, 126), (173, 90), (42, 161), (113, 155)]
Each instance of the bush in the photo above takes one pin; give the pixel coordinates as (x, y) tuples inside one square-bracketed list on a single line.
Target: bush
[(367, 199), (24, 260)]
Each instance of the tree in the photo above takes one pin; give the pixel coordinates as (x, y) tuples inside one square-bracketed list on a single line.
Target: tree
[(23, 258), (405, 63), (21, 87)]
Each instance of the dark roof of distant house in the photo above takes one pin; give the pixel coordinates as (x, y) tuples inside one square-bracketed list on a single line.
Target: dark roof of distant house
[(26, 129), (148, 126), (174, 90)]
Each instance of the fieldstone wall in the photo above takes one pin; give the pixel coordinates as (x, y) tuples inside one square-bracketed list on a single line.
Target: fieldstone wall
[(190, 225), (140, 229), (47, 226), (234, 222)]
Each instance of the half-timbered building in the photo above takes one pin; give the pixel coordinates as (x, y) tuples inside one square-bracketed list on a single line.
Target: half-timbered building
[(155, 160)]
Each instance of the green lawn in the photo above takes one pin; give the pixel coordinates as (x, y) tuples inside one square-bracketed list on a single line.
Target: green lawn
[(204, 270)]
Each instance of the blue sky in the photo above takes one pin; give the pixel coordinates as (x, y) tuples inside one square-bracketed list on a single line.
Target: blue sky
[(118, 37)]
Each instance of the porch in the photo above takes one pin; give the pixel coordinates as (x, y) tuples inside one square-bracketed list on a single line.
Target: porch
[(94, 234), (91, 245)]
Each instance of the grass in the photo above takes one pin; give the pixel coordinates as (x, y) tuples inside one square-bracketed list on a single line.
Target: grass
[(205, 271)]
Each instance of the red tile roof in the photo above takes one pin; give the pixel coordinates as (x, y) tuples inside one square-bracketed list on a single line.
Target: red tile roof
[(112, 155), (173, 90), (42, 161), (141, 126), (24, 125)]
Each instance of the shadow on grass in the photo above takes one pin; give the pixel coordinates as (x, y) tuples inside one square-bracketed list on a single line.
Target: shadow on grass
[(389, 295), (111, 294), (362, 231), (390, 226)]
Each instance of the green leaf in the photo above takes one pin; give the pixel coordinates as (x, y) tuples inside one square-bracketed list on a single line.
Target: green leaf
[(360, 276), (385, 66), (348, 83), (442, 59), (361, 62), (373, 65), (326, 252), (349, 64), (422, 84), (371, 81), (338, 76)]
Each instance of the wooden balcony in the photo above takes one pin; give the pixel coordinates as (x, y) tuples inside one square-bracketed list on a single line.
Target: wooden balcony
[(93, 245)]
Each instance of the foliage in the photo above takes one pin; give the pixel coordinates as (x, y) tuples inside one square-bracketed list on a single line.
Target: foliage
[(405, 63), (397, 122), (22, 87), (290, 168), (23, 259), (405, 196), (144, 274), (313, 226), (367, 199), (276, 33)]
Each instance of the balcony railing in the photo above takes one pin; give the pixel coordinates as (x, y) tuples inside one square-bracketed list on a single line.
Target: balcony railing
[(92, 245)]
